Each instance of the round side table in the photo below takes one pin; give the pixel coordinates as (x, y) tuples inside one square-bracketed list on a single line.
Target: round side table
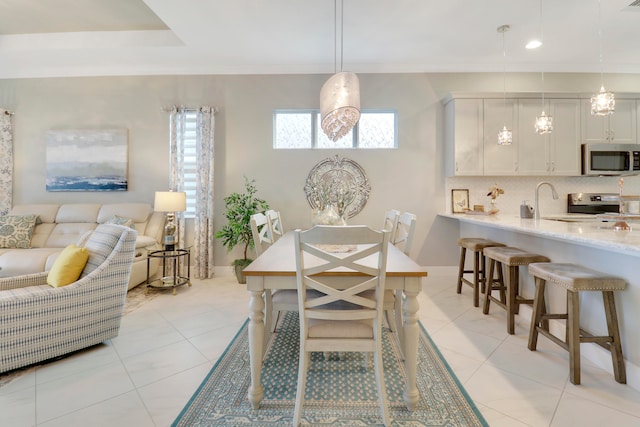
[(172, 269)]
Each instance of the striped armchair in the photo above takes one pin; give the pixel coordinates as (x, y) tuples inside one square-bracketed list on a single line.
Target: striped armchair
[(39, 322)]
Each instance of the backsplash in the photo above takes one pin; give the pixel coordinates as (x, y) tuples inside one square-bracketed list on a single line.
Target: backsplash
[(519, 188)]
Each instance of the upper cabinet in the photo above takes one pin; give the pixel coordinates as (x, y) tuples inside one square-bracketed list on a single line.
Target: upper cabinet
[(619, 127), (500, 159), (472, 125), (463, 137), (555, 153)]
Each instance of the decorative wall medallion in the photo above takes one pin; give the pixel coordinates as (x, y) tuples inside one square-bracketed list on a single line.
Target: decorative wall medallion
[(339, 182)]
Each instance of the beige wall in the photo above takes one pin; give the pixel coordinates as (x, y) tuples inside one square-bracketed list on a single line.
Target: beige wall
[(410, 178)]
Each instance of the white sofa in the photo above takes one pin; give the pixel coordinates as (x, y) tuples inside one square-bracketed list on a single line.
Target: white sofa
[(60, 225)]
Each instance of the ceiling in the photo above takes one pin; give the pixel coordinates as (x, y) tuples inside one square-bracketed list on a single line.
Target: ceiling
[(49, 38)]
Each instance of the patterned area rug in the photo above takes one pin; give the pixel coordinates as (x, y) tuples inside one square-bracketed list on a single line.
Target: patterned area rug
[(339, 392)]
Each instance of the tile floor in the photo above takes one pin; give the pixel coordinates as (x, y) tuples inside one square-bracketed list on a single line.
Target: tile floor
[(166, 347)]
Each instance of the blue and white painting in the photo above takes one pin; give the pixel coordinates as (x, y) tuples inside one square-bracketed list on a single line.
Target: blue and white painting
[(87, 160)]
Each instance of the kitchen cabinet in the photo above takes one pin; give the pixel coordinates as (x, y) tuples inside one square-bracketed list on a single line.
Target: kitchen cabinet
[(555, 153), (619, 127), (500, 159), (463, 137)]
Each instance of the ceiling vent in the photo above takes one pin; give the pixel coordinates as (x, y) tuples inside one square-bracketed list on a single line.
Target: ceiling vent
[(635, 3)]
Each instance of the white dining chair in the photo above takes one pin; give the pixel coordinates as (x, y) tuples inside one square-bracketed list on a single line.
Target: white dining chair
[(276, 301), (402, 239), (343, 320), (390, 223), (275, 224)]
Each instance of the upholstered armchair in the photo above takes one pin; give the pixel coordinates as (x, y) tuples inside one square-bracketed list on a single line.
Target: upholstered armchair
[(40, 322)]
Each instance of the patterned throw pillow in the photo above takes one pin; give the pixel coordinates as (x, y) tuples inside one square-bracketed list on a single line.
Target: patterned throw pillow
[(16, 231), (118, 220)]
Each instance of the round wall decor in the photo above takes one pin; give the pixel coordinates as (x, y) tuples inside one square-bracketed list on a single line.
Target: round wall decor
[(339, 182)]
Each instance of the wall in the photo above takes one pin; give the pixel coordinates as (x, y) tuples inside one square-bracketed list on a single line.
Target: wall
[(410, 178)]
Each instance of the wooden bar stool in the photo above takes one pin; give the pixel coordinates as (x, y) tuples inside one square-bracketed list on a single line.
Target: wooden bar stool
[(509, 259), (479, 266), (575, 279)]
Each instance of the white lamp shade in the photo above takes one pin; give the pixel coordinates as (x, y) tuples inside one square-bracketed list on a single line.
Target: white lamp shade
[(170, 201), (340, 104)]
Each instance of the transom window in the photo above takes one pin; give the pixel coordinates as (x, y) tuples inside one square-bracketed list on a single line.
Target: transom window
[(300, 129)]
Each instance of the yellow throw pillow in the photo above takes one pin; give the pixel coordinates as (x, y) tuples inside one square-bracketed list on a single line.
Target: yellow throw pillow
[(68, 266)]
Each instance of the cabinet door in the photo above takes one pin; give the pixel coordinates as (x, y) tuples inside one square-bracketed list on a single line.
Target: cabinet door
[(533, 148), (500, 159), (622, 123), (463, 136), (564, 141), (619, 127)]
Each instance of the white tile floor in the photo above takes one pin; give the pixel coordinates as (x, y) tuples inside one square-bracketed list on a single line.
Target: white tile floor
[(166, 347)]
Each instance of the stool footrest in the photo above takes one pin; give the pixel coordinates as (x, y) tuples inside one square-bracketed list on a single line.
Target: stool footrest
[(553, 316), (552, 337)]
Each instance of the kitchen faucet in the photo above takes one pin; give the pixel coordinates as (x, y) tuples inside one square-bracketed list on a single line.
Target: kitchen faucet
[(536, 209)]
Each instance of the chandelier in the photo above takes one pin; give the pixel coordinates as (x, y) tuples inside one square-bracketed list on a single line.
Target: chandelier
[(544, 122), (340, 95), (603, 103), (505, 136)]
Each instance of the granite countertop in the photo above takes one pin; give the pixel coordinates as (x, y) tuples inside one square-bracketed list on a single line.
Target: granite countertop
[(592, 233)]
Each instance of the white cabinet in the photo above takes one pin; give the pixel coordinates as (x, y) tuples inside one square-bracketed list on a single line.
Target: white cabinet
[(555, 153), (500, 159), (463, 137), (619, 127)]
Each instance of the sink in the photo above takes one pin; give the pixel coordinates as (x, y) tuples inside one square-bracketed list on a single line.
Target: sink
[(572, 218)]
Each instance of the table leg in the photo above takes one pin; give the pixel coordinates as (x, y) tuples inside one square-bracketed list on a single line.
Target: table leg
[(256, 339), (411, 331)]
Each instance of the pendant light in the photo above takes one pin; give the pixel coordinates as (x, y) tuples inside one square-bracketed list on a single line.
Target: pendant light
[(544, 122), (505, 136), (603, 103), (340, 95)]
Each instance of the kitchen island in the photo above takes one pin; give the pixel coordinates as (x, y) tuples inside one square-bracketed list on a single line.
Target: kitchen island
[(590, 243)]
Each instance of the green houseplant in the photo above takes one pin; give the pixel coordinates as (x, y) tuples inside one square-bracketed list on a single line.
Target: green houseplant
[(238, 210)]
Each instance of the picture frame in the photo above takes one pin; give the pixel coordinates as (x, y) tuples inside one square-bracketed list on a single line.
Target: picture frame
[(459, 200)]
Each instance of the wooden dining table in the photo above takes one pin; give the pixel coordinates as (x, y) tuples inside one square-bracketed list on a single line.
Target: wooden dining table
[(275, 268)]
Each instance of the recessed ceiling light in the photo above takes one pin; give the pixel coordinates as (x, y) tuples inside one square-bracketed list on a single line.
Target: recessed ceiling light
[(534, 44)]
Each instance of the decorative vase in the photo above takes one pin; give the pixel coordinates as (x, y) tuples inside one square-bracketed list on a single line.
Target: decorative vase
[(327, 216)]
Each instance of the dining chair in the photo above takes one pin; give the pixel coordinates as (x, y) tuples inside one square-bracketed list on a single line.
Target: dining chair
[(402, 239), (391, 221), (275, 224), (276, 301), (343, 320)]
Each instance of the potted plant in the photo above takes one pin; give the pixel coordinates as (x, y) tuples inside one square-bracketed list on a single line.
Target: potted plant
[(239, 208)]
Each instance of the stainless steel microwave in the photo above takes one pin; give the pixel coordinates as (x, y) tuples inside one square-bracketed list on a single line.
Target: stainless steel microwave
[(610, 159)]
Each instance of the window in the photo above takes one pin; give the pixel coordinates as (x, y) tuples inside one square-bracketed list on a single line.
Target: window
[(295, 129), (189, 159)]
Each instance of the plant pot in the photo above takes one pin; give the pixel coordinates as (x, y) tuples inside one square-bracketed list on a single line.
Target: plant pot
[(239, 265)]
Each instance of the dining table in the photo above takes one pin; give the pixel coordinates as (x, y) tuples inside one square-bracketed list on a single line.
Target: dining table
[(275, 269)]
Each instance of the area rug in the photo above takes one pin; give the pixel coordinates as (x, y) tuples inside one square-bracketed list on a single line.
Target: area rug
[(340, 391)]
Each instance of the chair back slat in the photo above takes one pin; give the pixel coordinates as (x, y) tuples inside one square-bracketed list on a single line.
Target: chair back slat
[(275, 224), (403, 237), (262, 237)]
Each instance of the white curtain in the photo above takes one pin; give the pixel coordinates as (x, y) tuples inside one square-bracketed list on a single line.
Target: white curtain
[(6, 161), (203, 246)]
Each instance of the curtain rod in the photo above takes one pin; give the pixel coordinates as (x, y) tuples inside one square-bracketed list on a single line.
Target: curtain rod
[(175, 107)]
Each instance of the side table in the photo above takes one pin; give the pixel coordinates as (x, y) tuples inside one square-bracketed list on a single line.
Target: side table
[(172, 269)]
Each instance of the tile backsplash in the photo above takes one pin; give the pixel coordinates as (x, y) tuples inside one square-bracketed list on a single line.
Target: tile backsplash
[(519, 188)]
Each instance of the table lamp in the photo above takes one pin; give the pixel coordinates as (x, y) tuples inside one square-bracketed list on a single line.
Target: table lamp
[(170, 202)]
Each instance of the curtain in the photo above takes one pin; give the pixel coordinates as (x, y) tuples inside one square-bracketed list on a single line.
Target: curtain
[(6, 161), (204, 234)]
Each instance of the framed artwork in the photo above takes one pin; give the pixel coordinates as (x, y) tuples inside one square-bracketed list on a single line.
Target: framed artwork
[(459, 200), (87, 160)]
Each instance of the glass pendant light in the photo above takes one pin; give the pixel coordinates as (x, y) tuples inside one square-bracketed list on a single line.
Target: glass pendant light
[(340, 95), (505, 136), (544, 122), (603, 103)]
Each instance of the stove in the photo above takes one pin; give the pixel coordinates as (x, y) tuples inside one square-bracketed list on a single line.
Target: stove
[(593, 203)]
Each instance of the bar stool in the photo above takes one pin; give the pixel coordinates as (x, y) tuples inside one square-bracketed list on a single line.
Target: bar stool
[(479, 267), (575, 279), (510, 299)]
